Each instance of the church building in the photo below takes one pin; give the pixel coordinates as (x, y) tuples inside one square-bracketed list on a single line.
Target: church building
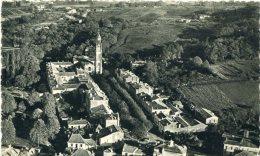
[(92, 65)]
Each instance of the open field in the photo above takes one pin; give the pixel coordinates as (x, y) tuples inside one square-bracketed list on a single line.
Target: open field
[(149, 26), (224, 96), (238, 69)]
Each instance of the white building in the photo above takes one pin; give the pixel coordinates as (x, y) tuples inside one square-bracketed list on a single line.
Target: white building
[(128, 77), (233, 144), (129, 150), (111, 119), (76, 141), (206, 116), (110, 134), (78, 124), (170, 149)]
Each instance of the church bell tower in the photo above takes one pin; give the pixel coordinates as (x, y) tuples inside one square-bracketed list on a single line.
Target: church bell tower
[(98, 59)]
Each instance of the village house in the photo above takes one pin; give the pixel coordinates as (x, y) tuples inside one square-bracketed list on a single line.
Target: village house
[(78, 124), (111, 119), (234, 144), (128, 77), (156, 107), (82, 152), (109, 152), (76, 141), (206, 116), (137, 88), (138, 63), (109, 135), (129, 150), (170, 149), (16, 151), (178, 124)]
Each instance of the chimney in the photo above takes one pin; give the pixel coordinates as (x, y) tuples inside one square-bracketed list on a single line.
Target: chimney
[(246, 133), (171, 143)]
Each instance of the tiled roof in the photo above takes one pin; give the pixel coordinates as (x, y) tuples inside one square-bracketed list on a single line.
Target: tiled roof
[(245, 153), (66, 74), (78, 122), (101, 109), (112, 116), (203, 113), (132, 149), (161, 115), (241, 142), (155, 105), (181, 121), (90, 142), (61, 63), (190, 120), (173, 149), (76, 138), (81, 152), (109, 130), (165, 122)]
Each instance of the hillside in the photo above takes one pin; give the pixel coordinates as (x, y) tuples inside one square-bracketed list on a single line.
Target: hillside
[(235, 102)]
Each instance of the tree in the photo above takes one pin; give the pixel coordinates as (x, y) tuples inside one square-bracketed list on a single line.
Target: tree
[(8, 103), (8, 132), (197, 61), (151, 72), (105, 23), (34, 97), (139, 131), (53, 127), (37, 113), (20, 81), (39, 133), (49, 105), (21, 106)]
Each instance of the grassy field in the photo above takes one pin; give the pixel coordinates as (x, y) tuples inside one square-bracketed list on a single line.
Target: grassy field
[(236, 104), (153, 27), (224, 95), (238, 69)]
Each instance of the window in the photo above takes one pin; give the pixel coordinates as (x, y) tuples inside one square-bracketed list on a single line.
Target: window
[(80, 145), (89, 68)]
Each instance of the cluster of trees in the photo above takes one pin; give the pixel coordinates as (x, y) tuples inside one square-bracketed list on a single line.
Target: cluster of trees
[(233, 37), (131, 115), (31, 121), (46, 123), (7, 126)]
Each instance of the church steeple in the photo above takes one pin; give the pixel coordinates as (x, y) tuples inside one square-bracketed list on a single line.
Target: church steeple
[(98, 58)]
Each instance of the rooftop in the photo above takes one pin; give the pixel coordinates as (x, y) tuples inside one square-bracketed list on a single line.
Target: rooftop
[(165, 122), (161, 115), (81, 152), (132, 149), (241, 142), (109, 130), (155, 105), (76, 138), (203, 113), (90, 142), (181, 121), (78, 122), (101, 109), (112, 116)]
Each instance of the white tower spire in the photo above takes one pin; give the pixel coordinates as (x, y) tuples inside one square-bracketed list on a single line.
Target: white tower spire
[(98, 59)]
